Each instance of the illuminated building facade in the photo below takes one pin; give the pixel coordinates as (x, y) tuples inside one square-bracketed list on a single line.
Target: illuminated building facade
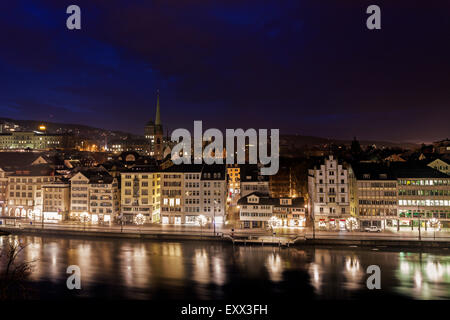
[(3, 192), (213, 182), (172, 209), (423, 193), (259, 210), (329, 194), (440, 165), (375, 188), (136, 145), (25, 192), (234, 179), (193, 193), (94, 196), (140, 194), (32, 140), (56, 202)]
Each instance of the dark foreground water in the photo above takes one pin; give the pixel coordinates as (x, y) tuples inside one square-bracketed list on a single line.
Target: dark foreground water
[(128, 269)]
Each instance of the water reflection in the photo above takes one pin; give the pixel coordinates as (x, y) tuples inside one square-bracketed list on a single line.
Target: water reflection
[(134, 266), (208, 268), (201, 266), (274, 265), (315, 275), (197, 270), (423, 275), (170, 261), (218, 267), (353, 273)]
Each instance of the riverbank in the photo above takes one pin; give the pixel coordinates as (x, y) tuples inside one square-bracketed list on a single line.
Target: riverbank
[(114, 235), (398, 243), (249, 239)]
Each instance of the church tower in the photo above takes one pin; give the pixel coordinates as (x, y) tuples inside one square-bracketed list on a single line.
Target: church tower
[(153, 132)]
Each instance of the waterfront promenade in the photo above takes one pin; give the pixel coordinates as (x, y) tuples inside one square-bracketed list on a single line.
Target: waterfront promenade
[(277, 236)]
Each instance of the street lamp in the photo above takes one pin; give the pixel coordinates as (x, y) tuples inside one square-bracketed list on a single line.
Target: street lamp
[(352, 223), (36, 213), (139, 219), (435, 224), (84, 218), (202, 221), (313, 221), (418, 212), (121, 222), (214, 217)]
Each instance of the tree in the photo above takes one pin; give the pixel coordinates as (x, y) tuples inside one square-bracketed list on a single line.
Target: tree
[(15, 273)]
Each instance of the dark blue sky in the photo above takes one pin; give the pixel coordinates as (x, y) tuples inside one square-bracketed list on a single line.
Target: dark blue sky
[(308, 67)]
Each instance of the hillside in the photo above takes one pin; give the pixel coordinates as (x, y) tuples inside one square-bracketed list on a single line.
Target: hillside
[(298, 141), (83, 131), (79, 130)]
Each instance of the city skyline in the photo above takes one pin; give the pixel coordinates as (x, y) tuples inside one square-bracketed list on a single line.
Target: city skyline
[(305, 68), (224, 158)]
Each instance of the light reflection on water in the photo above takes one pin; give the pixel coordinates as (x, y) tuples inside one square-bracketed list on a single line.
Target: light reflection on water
[(144, 270), (424, 276), (274, 267)]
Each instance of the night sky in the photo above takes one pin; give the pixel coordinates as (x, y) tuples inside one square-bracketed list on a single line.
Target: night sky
[(307, 67)]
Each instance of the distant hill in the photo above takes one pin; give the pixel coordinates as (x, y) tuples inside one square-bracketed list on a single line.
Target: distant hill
[(298, 141), (79, 130), (83, 131)]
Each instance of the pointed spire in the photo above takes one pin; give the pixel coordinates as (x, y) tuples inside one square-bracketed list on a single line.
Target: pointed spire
[(158, 112)]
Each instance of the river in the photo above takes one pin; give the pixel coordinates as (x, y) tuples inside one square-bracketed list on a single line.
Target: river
[(133, 269)]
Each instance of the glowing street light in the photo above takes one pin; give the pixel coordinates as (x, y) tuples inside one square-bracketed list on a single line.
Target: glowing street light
[(139, 219), (351, 223), (274, 221), (202, 221), (85, 218), (435, 224)]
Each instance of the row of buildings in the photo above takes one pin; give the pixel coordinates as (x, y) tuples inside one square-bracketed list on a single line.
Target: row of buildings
[(135, 189), (42, 192), (347, 196), (38, 140)]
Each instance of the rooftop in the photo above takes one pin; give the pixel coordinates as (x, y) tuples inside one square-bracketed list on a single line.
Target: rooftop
[(265, 199)]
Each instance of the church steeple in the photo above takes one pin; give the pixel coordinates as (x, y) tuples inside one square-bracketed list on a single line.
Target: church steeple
[(158, 112)]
